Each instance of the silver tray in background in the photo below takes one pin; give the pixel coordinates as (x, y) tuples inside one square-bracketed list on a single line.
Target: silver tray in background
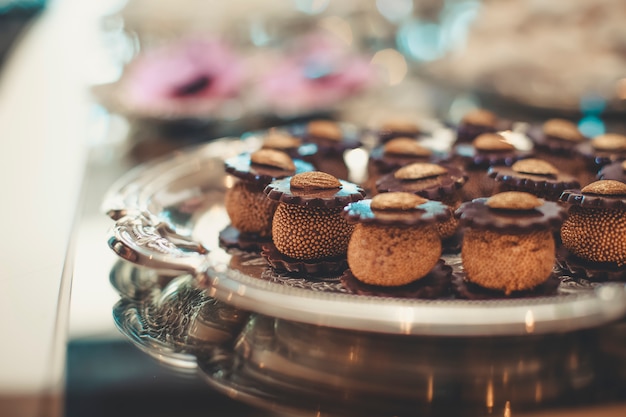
[(168, 215)]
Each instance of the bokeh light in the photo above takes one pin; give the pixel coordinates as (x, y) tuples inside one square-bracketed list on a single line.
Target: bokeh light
[(395, 10)]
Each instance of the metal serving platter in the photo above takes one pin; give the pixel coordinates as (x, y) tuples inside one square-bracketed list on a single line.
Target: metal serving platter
[(168, 215)]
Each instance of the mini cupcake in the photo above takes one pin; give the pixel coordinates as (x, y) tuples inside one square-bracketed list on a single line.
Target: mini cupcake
[(397, 128), (250, 212), (595, 232), (395, 154), (309, 233), (600, 151), (403, 227), (555, 141), (325, 142), (534, 176), (508, 244), (478, 121), (615, 171), (486, 150)]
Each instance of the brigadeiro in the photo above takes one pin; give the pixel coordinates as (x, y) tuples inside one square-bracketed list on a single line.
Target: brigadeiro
[(249, 211), (395, 154), (594, 233), (395, 247), (478, 121), (396, 128), (309, 233), (486, 150), (600, 151), (508, 245), (439, 182), (556, 141), (534, 176), (325, 142)]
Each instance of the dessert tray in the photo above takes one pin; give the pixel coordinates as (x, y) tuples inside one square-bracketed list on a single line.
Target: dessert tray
[(300, 369), (168, 215)]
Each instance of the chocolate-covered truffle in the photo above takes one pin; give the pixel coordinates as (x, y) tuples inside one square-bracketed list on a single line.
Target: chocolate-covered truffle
[(534, 176), (250, 212), (555, 141), (282, 141), (508, 244), (478, 121), (439, 182), (395, 128), (486, 150), (394, 154), (325, 142), (401, 226), (595, 230), (308, 224), (600, 151)]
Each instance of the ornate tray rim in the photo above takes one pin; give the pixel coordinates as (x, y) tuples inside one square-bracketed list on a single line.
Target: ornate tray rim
[(141, 237)]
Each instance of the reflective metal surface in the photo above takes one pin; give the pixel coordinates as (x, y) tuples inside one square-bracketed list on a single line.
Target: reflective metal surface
[(307, 370)]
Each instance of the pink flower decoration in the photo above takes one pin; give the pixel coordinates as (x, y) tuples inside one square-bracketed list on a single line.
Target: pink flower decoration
[(320, 73), (195, 69)]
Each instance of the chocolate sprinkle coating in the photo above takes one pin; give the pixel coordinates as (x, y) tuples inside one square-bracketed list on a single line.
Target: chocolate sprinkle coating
[(477, 215), (469, 291), (231, 238), (241, 167), (542, 185), (433, 188), (280, 190), (428, 212), (318, 267), (435, 285), (576, 197)]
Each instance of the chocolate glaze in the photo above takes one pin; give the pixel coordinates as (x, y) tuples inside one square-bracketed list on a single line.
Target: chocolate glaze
[(232, 238), (435, 285), (467, 132), (546, 186), (470, 291), (477, 215), (432, 188), (549, 143), (429, 212), (280, 190), (596, 158), (475, 159), (385, 135), (593, 271), (389, 162), (576, 197), (613, 171), (241, 167), (320, 267), (349, 140)]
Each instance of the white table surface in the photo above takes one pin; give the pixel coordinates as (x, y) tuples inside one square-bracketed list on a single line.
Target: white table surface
[(45, 111)]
